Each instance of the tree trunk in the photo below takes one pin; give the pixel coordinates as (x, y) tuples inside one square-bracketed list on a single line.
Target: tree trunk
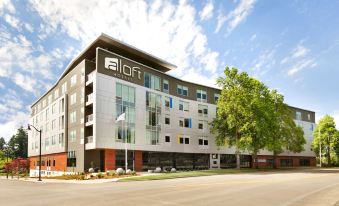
[(328, 156), (255, 158), (237, 154), (275, 160)]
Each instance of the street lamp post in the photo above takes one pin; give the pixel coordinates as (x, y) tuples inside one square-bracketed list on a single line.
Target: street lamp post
[(40, 131)]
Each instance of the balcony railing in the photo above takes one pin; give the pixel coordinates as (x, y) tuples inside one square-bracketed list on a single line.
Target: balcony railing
[(89, 139), (89, 118), (90, 98)]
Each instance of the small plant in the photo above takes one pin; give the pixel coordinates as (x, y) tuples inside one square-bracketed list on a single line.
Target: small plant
[(133, 173), (100, 175)]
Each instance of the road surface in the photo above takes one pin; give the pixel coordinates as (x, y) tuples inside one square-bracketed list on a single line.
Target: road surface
[(299, 187)]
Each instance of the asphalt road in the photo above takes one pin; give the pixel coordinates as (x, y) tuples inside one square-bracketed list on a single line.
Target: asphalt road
[(301, 187)]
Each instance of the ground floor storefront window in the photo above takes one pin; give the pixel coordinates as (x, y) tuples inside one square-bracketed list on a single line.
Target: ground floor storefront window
[(180, 161), (229, 161)]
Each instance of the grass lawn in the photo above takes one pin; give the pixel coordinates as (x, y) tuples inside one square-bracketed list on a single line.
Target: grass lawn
[(162, 176)]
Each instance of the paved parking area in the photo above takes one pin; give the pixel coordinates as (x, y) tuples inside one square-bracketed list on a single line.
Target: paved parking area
[(299, 187)]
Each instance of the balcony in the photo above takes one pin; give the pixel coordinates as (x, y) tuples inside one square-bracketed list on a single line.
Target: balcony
[(89, 139), (89, 99), (89, 120), (90, 78)]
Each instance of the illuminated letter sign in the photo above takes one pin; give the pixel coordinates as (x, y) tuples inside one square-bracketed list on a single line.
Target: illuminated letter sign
[(115, 64)]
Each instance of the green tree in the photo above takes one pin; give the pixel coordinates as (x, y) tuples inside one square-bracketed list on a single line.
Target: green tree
[(2, 143), (240, 120), (326, 135), (284, 133), (18, 143)]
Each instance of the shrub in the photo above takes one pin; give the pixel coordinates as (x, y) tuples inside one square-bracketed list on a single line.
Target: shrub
[(100, 175)]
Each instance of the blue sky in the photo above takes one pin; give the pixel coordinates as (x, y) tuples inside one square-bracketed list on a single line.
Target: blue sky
[(292, 46)]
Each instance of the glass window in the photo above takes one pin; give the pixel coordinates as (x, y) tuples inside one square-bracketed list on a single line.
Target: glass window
[(201, 96), (202, 110), (166, 86), (168, 102), (183, 106), (151, 81), (127, 106), (73, 98), (167, 138), (179, 89), (298, 115), (56, 93), (64, 88), (73, 80), (73, 117), (167, 120), (183, 139), (216, 97), (185, 91)]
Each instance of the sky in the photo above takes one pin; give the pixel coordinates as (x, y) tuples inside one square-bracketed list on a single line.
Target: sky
[(290, 45)]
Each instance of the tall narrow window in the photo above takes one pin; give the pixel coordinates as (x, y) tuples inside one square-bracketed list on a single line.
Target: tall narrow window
[(201, 96), (151, 81), (73, 80), (153, 116), (166, 86)]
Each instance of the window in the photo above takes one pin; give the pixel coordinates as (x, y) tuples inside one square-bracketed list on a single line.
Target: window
[(82, 96), (183, 139), (53, 124), (44, 103), (183, 106), (202, 125), (125, 103), (61, 139), (167, 138), (153, 115), (64, 88), (182, 90), (82, 115), (166, 86), (82, 74), (56, 93), (49, 99), (201, 96), (46, 142), (73, 117), (151, 81), (167, 120), (47, 113), (71, 159), (311, 127), (203, 141), (53, 140), (168, 102), (216, 97), (185, 122), (309, 117), (73, 135), (298, 115), (73, 98), (202, 110), (73, 80), (286, 162)]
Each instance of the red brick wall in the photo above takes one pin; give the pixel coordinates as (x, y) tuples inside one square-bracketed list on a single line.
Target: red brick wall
[(109, 159), (60, 161), (138, 161)]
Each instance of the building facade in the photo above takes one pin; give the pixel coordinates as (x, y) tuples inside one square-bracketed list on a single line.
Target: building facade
[(166, 122)]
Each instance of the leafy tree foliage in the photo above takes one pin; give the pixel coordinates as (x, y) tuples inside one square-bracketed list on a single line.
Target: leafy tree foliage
[(250, 117), (326, 135), (2, 143), (18, 144)]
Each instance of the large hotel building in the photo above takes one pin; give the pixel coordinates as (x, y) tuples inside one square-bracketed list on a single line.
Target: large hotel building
[(166, 124)]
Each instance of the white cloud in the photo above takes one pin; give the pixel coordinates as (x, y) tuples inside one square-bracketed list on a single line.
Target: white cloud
[(10, 127), (165, 29), (29, 27), (264, 62), (253, 37), (207, 12), (11, 20), (300, 65), (25, 82), (6, 5), (2, 86), (236, 16), (299, 52), (195, 77)]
